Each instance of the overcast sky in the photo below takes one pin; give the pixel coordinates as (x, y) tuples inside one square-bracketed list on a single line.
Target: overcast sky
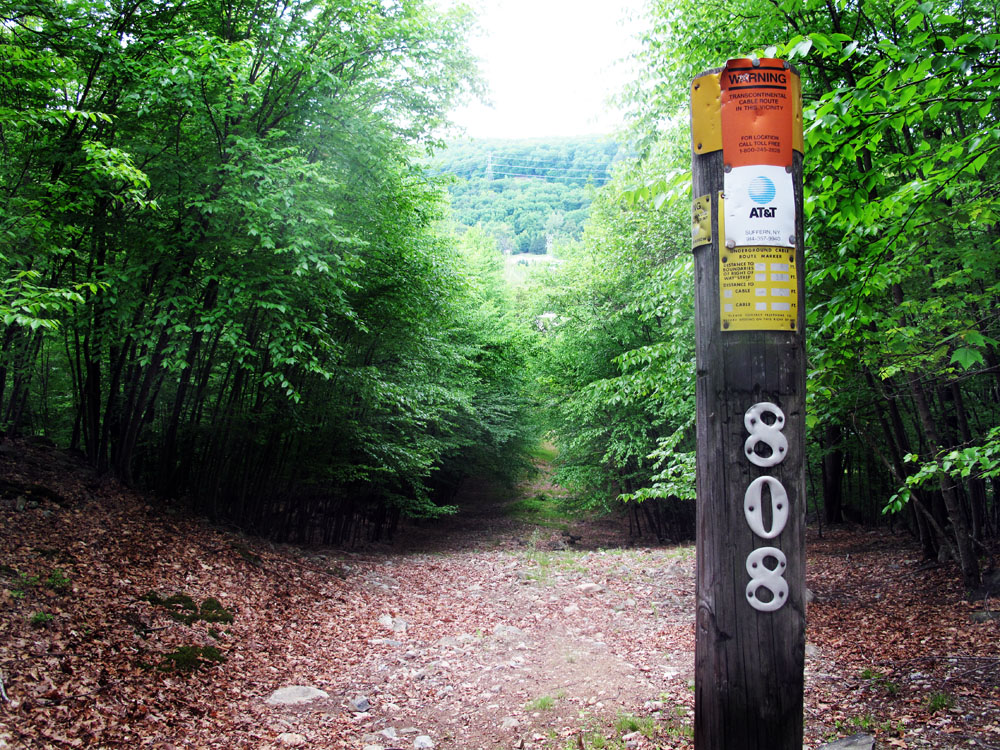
[(551, 66)]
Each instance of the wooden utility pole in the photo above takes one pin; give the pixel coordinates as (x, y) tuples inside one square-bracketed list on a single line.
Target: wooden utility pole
[(747, 239)]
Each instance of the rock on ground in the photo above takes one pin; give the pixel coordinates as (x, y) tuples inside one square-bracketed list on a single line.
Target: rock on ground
[(854, 742), (292, 694)]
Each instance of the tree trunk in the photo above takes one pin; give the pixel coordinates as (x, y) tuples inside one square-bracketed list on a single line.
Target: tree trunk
[(964, 545), (833, 474), (977, 485), (168, 467)]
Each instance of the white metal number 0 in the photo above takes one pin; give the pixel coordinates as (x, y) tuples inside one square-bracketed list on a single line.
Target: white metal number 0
[(754, 499), (761, 576)]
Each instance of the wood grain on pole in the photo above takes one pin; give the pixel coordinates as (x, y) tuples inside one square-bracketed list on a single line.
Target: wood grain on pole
[(749, 664)]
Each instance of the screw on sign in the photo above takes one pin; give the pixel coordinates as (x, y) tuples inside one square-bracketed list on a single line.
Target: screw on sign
[(761, 576)]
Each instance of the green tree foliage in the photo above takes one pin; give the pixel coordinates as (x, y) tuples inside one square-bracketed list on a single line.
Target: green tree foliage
[(901, 221), (616, 364), (525, 193), (579, 159), (222, 273)]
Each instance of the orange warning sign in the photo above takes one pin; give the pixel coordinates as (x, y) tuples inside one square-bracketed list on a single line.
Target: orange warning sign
[(757, 113)]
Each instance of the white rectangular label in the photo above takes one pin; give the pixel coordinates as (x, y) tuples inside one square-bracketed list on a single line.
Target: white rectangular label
[(759, 206)]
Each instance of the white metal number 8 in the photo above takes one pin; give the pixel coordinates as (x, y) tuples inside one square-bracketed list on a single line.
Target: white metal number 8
[(763, 577), (753, 499), (769, 434)]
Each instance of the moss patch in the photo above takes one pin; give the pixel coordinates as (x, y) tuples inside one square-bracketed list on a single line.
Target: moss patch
[(213, 611), (244, 551), (190, 658), (183, 608)]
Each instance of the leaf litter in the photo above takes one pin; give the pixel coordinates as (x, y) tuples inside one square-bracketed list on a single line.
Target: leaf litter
[(477, 632)]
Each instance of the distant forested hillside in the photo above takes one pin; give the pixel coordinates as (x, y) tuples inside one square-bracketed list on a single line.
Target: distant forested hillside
[(526, 193)]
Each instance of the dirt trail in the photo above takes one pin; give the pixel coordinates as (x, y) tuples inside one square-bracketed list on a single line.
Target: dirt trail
[(485, 521), (478, 631), (515, 638), (499, 646)]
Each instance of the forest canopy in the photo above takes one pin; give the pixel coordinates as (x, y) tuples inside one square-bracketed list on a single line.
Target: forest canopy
[(230, 271), (527, 194), (901, 199), (222, 276)]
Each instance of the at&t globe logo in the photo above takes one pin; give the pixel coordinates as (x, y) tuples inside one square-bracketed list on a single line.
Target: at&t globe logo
[(761, 190)]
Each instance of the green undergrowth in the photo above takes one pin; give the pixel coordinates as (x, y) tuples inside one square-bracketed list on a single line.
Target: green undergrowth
[(41, 619), (939, 702), (597, 735), (865, 723), (629, 723), (544, 564), (21, 583), (542, 703), (676, 722), (183, 608), (541, 509), (879, 680), (546, 452)]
